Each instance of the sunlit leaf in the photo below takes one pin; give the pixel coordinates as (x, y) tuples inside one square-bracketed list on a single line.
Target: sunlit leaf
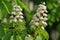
[(43, 33), (23, 5), (5, 8), (39, 38)]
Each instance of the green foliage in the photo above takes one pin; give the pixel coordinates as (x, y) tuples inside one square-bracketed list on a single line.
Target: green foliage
[(23, 5), (5, 8), (54, 14), (7, 35), (39, 38), (1, 31), (43, 33), (58, 28)]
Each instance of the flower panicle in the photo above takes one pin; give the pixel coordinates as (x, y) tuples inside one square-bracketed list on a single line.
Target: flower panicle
[(16, 14), (40, 18)]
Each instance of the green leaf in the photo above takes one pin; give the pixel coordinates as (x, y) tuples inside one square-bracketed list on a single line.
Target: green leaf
[(8, 0), (49, 5), (58, 28), (29, 37), (1, 31), (23, 5), (20, 25), (39, 38), (43, 33), (8, 34), (22, 34), (5, 8), (0, 14), (9, 6), (18, 37), (3, 12), (12, 37)]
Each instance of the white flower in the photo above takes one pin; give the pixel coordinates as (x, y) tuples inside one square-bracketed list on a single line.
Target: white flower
[(46, 11), (16, 6), (42, 7), (42, 27), (44, 14), (36, 23), (11, 16), (4, 20), (37, 19), (29, 37), (20, 9), (44, 23), (17, 13), (42, 11), (45, 19), (20, 20), (11, 21), (20, 13), (21, 17), (13, 13), (31, 22), (38, 14), (16, 9), (34, 17), (41, 18), (17, 16), (14, 20), (43, 3)]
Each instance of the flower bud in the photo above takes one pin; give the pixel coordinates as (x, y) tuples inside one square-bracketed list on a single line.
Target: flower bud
[(20, 20), (42, 27), (14, 20), (4, 20), (45, 14), (20, 13)]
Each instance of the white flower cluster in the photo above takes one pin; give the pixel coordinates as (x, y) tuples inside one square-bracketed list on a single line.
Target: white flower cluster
[(16, 14), (29, 37), (39, 19)]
